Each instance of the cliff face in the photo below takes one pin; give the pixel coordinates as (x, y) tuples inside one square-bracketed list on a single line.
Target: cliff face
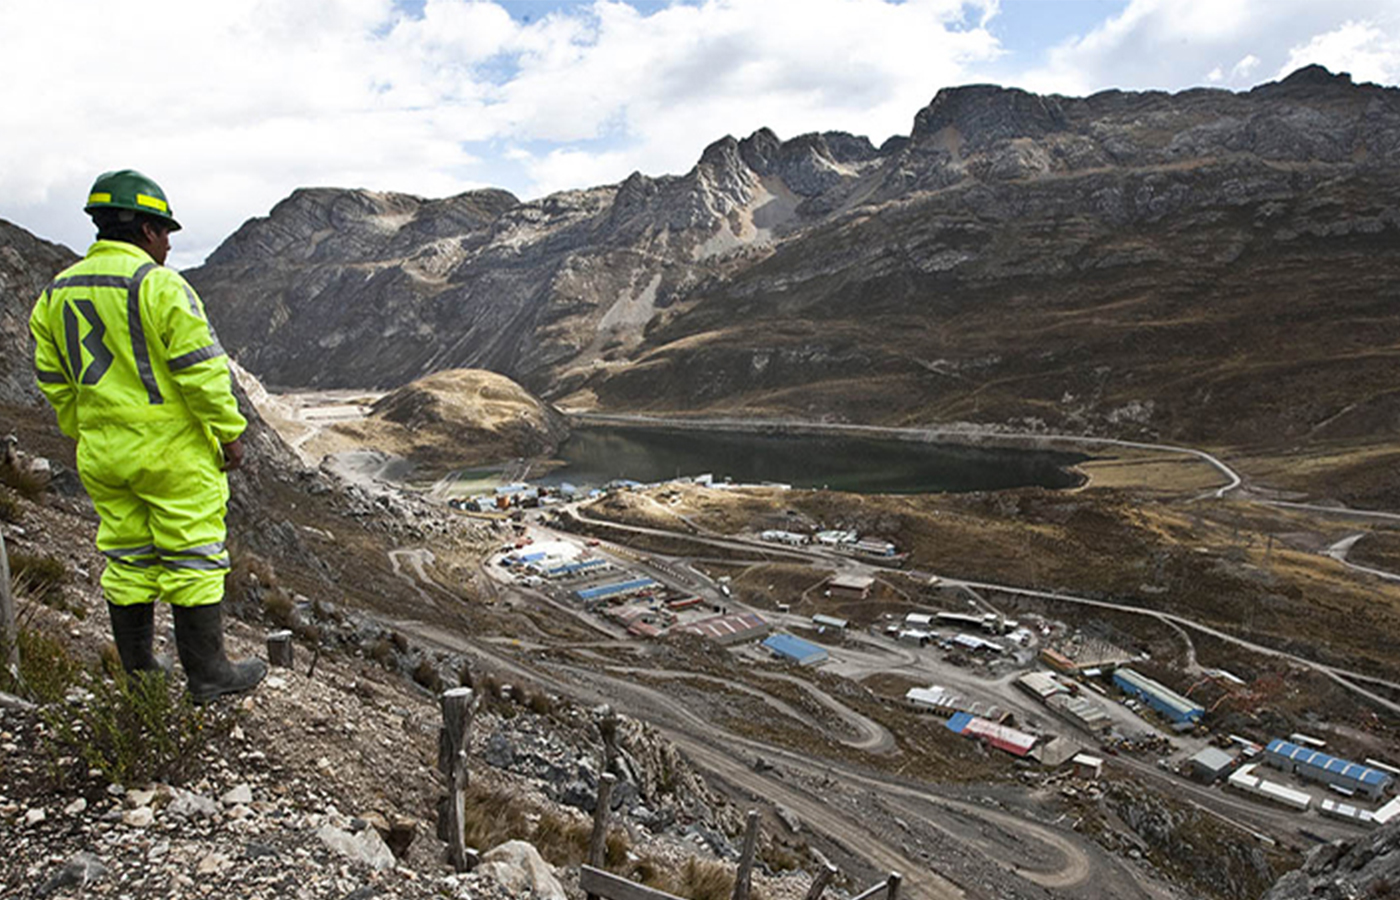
[(1197, 265), (1366, 867), (27, 265)]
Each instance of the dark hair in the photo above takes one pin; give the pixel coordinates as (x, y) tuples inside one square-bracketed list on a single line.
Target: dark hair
[(124, 225)]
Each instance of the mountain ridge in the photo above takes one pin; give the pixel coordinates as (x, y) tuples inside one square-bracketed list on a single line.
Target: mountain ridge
[(1149, 241)]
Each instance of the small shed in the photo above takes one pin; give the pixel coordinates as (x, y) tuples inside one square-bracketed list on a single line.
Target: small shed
[(1088, 767), (856, 586), (829, 622), (1211, 764)]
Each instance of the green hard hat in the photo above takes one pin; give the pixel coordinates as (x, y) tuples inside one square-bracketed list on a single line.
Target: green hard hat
[(129, 189)]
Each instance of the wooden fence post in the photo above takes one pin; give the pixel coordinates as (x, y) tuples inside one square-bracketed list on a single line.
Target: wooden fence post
[(607, 727), (457, 710), (820, 882), (744, 874), (598, 840), (280, 649), (9, 634)]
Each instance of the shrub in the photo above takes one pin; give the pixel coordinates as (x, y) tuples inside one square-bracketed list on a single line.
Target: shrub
[(540, 704), (382, 652), (40, 577), (702, 879), (426, 674), (493, 816), (278, 605), (136, 729), (561, 839), (696, 879), (29, 484), (46, 671), (132, 729), (9, 506)]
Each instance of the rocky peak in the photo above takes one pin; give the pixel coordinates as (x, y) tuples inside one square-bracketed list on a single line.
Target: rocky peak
[(984, 113), (1312, 79), (760, 149), (355, 225)]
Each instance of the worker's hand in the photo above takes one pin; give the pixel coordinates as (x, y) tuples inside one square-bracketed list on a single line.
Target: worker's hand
[(233, 455)]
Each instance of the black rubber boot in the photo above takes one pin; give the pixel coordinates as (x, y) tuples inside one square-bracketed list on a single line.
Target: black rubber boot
[(134, 630), (199, 636)]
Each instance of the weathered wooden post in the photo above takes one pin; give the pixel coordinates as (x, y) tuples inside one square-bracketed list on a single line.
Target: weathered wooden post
[(9, 634), (893, 884), (607, 727), (744, 874), (820, 882), (280, 649), (598, 840), (457, 710)]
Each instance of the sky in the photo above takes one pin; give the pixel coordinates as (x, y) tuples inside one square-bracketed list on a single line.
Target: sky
[(232, 105)]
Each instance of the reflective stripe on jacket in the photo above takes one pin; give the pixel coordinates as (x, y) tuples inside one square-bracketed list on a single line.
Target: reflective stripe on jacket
[(121, 339)]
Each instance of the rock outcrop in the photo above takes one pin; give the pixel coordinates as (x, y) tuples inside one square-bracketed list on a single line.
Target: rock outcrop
[(1366, 867), (27, 265)]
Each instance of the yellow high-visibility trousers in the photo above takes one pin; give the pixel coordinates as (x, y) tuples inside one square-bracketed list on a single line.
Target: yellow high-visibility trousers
[(162, 500)]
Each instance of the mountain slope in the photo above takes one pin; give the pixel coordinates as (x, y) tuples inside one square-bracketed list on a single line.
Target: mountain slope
[(1199, 266)]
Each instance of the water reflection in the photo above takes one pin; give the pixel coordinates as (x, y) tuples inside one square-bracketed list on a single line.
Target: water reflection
[(597, 455)]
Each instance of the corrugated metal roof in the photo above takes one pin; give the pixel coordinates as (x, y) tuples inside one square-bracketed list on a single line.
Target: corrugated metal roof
[(793, 647), (1160, 691), (1213, 758), (1008, 739), (724, 626), (1318, 760), (1390, 811), (958, 722), (619, 587)]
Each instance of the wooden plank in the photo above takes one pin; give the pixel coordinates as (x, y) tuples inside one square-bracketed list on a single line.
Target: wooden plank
[(280, 650), (744, 874), (597, 841), (9, 635), (598, 883), (871, 892), (457, 710), (820, 882)]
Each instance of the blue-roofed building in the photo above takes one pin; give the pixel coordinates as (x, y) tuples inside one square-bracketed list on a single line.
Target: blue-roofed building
[(1315, 765), (573, 569), (958, 722), (804, 653), (1158, 696), (617, 589)]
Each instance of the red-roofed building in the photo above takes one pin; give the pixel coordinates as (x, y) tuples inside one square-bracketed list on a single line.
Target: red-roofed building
[(731, 629)]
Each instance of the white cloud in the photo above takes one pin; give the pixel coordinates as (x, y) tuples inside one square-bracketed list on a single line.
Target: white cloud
[(1246, 65), (1362, 48), (1166, 44), (232, 105)]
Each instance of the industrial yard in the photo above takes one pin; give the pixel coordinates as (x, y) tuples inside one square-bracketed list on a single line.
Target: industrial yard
[(1033, 683)]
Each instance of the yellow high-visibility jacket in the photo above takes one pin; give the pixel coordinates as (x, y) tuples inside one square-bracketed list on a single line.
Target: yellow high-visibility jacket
[(121, 340)]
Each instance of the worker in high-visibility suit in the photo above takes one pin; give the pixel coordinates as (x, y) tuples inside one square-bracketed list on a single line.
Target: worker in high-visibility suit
[(124, 352)]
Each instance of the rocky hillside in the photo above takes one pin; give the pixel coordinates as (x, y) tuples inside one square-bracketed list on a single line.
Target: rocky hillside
[(27, 264), (1366, 867), (1197, 266), (452, 418)]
